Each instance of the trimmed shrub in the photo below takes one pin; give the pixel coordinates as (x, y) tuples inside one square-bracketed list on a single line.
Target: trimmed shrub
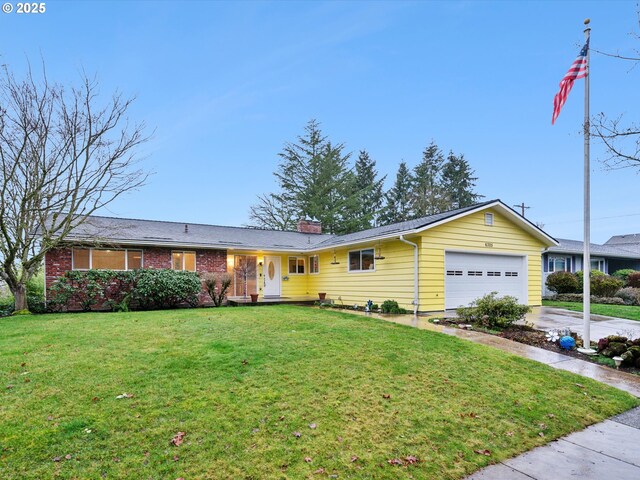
[(633, 280), (391, 306), (630, 295), (166, 288), (493, 312), (563, 282), (605, 285), (92, 288), (577, 297), (623, 274)]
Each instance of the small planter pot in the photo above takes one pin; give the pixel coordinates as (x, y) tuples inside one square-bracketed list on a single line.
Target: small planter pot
[(322, 296), (254, 297)]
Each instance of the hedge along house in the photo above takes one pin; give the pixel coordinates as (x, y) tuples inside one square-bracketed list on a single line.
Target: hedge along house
[(432, 263)]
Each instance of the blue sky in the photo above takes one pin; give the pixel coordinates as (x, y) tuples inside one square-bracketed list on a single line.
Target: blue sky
[(225, 85)]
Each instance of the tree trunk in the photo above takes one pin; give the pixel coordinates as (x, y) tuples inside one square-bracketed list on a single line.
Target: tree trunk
[(20, 297)]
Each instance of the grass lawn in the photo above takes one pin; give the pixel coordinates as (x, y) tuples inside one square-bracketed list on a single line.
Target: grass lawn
[(621, 311), (270, 392)]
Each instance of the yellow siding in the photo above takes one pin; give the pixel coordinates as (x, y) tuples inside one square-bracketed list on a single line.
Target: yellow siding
[(392, 278), (471, 234)]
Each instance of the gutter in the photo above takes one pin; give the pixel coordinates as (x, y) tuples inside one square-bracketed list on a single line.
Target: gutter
[(415, 272)]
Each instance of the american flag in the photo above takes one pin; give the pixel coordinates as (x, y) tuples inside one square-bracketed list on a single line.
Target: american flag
[(578, 69)]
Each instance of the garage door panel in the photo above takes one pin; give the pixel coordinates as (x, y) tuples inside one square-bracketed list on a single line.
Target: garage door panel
[(472, 275)]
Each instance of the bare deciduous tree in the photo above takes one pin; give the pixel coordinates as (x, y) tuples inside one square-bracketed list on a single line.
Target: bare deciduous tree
[(620, 138), (64, 153)]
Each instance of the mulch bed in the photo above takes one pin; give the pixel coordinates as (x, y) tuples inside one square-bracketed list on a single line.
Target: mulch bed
[(537, 338)]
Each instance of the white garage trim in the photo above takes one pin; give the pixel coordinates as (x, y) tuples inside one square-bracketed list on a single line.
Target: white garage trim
[(469, 275)]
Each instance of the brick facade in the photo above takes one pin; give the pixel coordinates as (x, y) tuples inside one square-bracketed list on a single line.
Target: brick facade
[(58, 261)]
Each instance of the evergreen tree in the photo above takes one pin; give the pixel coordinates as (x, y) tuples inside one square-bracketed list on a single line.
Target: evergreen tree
[(315, 182), (366, 210), (398, 198), (427, 193), (458, 182)]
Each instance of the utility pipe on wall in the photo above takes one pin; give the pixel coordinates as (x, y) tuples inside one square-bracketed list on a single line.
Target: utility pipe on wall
[(415, 272)]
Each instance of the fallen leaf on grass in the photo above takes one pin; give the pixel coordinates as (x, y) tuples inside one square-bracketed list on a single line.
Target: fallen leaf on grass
[(175, 458), (579, 385), (178, 438), (411, 459), (27, 380), (483, 452), (245, 362), (541, 434), (23, 364), (67, 456), (95, 399), (551, 415), (542, 426), (9, 387), (313, 426), (297, 434), (386, 396), (116, 459), (394, 461), (354, 458), (125, 395), (308, 459), (281, 418), (509, 434), (57, 459), (319, 471)]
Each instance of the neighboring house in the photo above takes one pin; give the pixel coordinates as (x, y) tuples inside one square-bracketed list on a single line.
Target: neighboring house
[(607, 258), (429, 264)]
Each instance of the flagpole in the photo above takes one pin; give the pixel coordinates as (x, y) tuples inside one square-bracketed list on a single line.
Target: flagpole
[(586, 264)]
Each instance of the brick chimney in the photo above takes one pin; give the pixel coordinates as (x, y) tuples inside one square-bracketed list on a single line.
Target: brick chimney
[(309, 226)]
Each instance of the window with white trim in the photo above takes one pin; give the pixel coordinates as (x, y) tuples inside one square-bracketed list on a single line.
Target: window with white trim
[(183, 260), (105, 259), (488, 219), (362, 260), (296, 265), (558, 264), (597, 264), (314, 264)]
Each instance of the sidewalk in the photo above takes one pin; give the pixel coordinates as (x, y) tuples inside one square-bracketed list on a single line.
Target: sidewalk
[(607, 450)]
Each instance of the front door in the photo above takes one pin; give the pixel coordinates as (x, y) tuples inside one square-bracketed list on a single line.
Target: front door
[(271, 275)]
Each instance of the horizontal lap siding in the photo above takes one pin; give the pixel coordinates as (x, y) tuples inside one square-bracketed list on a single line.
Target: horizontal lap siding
[(470, 233), (392, 279)]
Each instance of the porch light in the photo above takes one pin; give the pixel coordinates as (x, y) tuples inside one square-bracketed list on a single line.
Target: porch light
[(379, 253), (335, 262)]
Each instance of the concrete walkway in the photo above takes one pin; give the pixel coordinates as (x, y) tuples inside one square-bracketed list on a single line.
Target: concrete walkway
[(607, 450), (546, 318)]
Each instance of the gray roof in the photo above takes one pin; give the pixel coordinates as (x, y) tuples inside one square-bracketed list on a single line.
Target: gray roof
[(628, 239), (153, 232), (125, 231), (397, 228), (576, 246)]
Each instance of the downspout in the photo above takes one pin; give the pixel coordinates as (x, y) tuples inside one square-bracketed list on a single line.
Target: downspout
[(415, 272)]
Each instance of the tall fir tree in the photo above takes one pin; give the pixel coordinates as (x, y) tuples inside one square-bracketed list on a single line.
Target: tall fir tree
[(315, 182), (427, 193), (458, 182), (398, 198), (366, 211)]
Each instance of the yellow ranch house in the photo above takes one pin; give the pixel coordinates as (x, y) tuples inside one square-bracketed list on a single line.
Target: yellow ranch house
[(433, 263)]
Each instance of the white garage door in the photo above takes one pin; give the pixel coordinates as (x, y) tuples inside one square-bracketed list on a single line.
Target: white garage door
[(472, 275)]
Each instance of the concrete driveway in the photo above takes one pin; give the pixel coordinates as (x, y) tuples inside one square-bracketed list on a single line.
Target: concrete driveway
[(547, 318)]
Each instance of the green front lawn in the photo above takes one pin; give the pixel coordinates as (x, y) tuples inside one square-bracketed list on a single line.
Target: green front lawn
[(270, 392), (621, 311)]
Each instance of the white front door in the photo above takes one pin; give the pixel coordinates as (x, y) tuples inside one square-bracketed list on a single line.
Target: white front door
[(271, 274)]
